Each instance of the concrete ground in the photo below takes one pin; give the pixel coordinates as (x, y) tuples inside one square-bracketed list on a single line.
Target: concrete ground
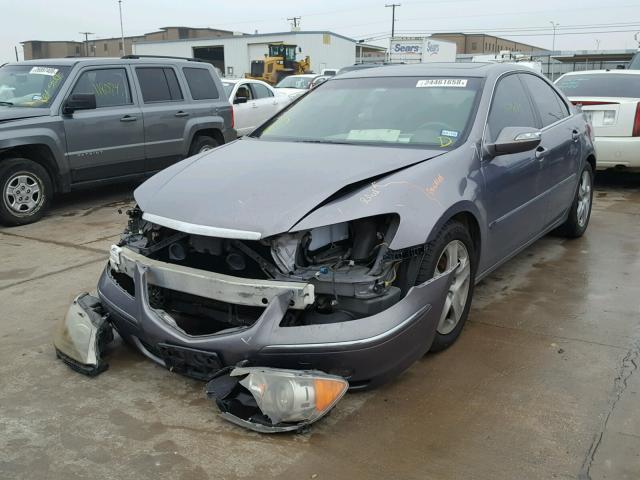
[(542, 383)]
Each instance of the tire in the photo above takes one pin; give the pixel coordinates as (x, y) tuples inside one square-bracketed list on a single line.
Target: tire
[(202, 143), (580, 211), (26, 190), (437, 259)]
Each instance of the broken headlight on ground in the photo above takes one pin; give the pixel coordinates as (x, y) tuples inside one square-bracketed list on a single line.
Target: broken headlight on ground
[(273, 400), (82, 335)]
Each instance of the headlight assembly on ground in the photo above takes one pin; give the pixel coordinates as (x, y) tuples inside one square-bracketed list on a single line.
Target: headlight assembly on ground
[(275, 400)]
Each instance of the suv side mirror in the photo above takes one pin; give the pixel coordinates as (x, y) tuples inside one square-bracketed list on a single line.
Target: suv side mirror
[(238, 100), (514, 140), (79, 101)]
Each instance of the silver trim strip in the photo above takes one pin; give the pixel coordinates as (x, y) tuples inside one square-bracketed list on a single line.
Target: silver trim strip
[(204, 230), (360, 341)]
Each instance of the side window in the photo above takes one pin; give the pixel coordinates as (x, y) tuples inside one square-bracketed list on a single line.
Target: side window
[(200, 83), (244, 92), (510, 108), (260, 91), (158, 84), (549, 104), (109, 85)]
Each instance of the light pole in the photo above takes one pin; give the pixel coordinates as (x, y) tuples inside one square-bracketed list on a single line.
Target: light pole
[(553, 48), (124, 49)]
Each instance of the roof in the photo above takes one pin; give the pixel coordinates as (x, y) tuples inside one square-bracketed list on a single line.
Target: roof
[(598, 72), (253, 35), (471, 69), (101, 61)]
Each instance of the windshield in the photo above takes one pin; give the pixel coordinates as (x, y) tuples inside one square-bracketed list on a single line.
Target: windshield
[(30, 86), (228, 88), (601, 85), (397, 110), (295, 82), (635, 62)]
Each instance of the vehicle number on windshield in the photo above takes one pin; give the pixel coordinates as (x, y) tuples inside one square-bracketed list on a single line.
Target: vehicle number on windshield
[(442, 82)]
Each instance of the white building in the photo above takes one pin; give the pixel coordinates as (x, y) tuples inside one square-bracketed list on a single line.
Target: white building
[(233, 54)]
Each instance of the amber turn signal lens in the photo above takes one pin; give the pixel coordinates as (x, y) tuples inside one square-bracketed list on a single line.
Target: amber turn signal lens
[(327, 391)]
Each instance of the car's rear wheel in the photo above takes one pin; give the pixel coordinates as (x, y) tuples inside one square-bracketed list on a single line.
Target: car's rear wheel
[(202, 143), (26, 191), (452, 246), (580, 211)]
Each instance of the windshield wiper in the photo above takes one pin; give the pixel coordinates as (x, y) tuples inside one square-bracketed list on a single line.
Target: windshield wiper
[(336, 142), (6, 104)]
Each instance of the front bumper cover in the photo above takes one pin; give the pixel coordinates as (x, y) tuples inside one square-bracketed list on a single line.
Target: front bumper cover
[(366, 351)]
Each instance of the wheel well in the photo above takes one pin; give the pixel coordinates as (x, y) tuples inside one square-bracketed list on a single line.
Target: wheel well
[(40, 154), (469, 221), (209, 132), (592, 161)]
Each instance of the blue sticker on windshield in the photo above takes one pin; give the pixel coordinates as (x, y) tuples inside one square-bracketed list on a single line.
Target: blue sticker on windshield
[(449, 133)]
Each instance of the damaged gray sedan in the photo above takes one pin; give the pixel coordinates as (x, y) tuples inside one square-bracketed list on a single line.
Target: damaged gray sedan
[(342, 240)]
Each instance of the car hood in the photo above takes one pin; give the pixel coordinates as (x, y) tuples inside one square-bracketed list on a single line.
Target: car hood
[(18, 113), (265, 186)]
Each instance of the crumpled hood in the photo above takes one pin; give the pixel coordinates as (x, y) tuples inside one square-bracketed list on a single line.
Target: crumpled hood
[(18, 113), (264, 186)]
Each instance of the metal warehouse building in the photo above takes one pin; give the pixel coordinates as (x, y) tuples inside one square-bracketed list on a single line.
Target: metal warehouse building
[(233, 54)]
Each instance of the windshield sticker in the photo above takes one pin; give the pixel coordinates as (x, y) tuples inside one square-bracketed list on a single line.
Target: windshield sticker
[(44, 71), (442, 82), (445, 141), (374, 135), (449, 133)]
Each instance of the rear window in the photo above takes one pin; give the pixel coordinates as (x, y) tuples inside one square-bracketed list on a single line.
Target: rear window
[(600, 85), (200, 83)]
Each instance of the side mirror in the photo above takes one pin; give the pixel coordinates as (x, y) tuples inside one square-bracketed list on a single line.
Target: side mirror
[(238, 100), (514, 140), (79, 101)]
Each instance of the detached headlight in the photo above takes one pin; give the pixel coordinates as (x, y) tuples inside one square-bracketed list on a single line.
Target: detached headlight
[(82, 335), (275, 400)]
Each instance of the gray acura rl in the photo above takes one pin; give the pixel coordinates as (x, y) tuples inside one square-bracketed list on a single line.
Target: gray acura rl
[(342, 239)]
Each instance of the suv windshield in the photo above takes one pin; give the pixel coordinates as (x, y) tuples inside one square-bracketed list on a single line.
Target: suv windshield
[(295, 82), (600, 85), (426, 111), (228, 88), (29, 85)]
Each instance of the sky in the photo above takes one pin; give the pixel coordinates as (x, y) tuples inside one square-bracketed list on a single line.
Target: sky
[(583, 24)]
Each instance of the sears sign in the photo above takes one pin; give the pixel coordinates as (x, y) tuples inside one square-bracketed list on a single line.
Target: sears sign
[(421, 49)]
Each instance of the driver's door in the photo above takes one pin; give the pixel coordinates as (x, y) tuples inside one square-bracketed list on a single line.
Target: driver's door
[(109, 140), (513, 182), (244, 110)]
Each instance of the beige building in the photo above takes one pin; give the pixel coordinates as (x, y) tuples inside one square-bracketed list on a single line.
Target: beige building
[(484, 44), (112, 47)]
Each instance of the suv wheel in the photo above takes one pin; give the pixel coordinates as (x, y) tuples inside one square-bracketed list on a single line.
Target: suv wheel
[(453, 245), (26, 191), (202, 143)]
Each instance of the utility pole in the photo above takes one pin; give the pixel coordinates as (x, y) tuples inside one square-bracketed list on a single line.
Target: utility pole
[(296, 23), (553, 48), (86, 42), (124, 49), (16, 49), (393, 17)]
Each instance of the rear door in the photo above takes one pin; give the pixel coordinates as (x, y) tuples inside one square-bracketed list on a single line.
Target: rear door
[(515, 211), (266, 102), (165, 113), (108, 141), (560, 148)]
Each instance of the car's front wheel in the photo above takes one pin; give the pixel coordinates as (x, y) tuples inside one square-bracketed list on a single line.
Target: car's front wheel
[(580, 211), (452, 247), (26, 191)]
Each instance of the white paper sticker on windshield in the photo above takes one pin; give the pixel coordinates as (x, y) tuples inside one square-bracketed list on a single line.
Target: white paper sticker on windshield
[(442, 82), (44, 71), (374, 135)]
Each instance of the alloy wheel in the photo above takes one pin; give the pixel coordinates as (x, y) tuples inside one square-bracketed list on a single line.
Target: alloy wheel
[(455, 253), (584, 199)]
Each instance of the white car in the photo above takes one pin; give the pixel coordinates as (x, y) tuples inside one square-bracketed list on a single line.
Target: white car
[(296, 85), (611, 101), (254, 102)]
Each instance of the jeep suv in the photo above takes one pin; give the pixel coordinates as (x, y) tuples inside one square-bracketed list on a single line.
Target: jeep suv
[(77, 122)]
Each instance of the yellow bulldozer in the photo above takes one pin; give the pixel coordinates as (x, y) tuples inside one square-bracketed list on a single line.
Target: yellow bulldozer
[(278, 64)]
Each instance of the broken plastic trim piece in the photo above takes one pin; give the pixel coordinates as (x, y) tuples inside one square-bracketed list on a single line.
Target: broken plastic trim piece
[(271, 400), (82, 335)]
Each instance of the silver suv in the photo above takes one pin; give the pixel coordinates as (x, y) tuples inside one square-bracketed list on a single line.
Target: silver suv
[(77, 122)]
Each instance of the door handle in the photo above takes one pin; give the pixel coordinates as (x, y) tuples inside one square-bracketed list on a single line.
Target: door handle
[(128, 118), (541, 152), (575, 135), (254, 105), (182, 114)]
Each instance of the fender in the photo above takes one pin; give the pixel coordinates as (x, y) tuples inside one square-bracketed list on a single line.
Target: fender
[(196, 124)]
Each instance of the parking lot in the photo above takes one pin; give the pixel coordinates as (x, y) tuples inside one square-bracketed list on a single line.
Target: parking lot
[(542, 383)]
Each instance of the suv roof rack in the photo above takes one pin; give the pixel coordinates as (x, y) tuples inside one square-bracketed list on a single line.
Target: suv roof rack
[(133, 57)]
